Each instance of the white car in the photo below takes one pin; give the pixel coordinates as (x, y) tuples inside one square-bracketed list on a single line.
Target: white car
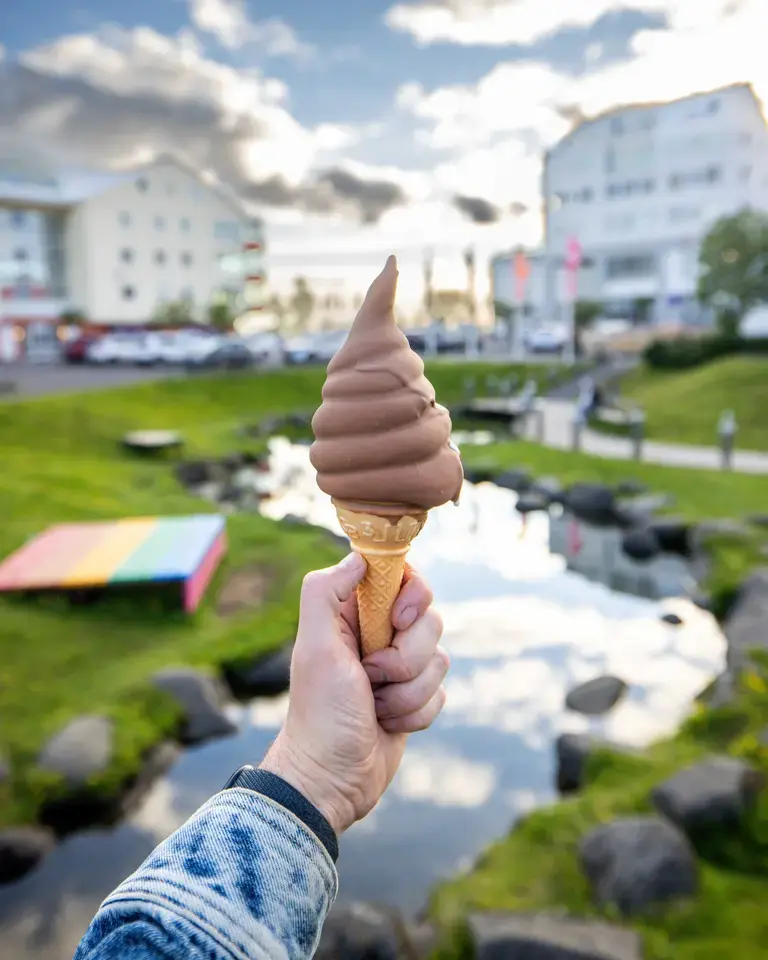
[(267, 348), (115, 348), (173, 347), (545, 340)]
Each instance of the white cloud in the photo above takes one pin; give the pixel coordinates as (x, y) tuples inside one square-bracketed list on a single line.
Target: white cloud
[(501, 22), (229, 22)]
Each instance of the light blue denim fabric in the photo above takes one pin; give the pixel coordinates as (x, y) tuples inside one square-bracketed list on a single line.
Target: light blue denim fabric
[(243, 879)]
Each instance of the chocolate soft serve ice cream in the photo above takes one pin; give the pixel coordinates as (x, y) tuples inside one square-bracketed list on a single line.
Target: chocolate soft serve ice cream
[(380, 437), (382, 451)]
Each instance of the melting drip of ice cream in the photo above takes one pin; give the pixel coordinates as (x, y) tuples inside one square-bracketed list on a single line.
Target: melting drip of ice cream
[(380, 437)]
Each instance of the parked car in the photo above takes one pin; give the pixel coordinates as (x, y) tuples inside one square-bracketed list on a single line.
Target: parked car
[(76, 350), (298, 350), (114, 348), (545, 340), (230, 354), (267, 348)]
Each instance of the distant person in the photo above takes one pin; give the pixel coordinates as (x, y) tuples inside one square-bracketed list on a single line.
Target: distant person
[(252, 874)]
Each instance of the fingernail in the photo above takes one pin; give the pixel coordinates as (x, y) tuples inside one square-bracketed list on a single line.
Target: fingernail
[(406, 618), (375, 673)]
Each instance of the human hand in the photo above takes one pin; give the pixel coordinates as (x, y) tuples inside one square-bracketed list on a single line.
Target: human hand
[(348, 721)]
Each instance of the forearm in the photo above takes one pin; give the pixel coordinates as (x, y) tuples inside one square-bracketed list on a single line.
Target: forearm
[(243, 879)]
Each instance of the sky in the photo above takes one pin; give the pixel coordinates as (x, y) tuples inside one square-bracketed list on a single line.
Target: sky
[(358, 128)]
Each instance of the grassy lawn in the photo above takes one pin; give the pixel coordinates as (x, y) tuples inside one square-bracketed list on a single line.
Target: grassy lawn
[(685, 406), (62, 461), (699, 495), (535, 869)]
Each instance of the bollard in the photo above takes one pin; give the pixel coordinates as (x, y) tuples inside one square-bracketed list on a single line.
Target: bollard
[(726, 432), (540, 423), (637, 432)]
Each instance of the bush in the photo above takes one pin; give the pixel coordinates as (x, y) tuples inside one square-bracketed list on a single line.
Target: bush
[(686, 352)]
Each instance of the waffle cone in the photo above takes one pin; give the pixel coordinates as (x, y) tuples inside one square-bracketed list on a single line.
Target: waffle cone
[(384, 541)]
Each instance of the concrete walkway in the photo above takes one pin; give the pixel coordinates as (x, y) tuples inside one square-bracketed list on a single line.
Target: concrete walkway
[(558, 433)]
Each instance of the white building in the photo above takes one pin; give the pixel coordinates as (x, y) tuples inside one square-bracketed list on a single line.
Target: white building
[(639, 187), (116, 246)]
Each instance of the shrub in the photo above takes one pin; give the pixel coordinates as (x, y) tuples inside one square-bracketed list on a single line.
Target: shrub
[(686, 352)]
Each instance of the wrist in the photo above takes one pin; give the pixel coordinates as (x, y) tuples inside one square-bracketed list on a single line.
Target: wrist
[(298, 770)]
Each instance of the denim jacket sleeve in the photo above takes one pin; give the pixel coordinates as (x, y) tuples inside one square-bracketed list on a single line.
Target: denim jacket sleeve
[(243, 879)]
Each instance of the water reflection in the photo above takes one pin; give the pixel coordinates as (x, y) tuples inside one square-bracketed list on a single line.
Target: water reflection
[(521, 630)]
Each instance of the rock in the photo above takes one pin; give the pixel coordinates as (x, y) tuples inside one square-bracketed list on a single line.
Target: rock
[(83, 748), (233, 462), (636, 863), (672, 619), (745, 624), (641, 544), (519, 936), (517, 480), (530, 503), (674, 535), (758, 519), (292, 520), (549, 489), (631, 488), (596, 696), (714, 793), (266, 676), (573, 751), (592, 502), (362, 931), (21, 849), (200, 698), (195, 473), (480, 474), (640, 511)]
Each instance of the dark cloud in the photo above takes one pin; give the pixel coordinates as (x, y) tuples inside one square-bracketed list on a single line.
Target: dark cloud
[(477, 209), (84, 122)]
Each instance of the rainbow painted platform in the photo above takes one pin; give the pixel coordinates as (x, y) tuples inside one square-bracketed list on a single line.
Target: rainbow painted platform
[(142, 550)]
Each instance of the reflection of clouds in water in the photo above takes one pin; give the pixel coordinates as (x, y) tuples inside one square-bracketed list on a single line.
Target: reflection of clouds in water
[(268, 714), (159, 814), (444, 779)]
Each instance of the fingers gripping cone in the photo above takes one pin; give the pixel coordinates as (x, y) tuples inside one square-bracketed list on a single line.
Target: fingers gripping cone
[(384, 542)]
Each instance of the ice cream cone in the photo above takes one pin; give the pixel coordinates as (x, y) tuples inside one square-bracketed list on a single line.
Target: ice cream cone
[(384, 541)]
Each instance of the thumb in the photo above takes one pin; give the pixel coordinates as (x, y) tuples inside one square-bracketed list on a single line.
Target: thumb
[(326, 590)]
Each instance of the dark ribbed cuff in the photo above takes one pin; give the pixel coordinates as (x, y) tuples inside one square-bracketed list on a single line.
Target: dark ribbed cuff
[(275, 788)]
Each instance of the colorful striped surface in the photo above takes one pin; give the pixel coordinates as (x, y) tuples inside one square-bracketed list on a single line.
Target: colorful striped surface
[(138, 550)]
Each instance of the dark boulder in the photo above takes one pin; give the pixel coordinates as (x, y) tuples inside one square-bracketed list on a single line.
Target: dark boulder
[(596, 696), (195, 473), (674, 535), (520, 936), (200, 698), (640, 511), (592, 502), (714, 793), (745, 624), (631, 488), (363, 931), (480, 473), (21, 849), (573, 752), (641, 544), (638, 863), (518, 480), (531, 503), (266, 676), (549, 489)]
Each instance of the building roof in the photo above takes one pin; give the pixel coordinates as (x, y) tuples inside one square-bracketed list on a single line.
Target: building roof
[(28, 178), (623, 109)]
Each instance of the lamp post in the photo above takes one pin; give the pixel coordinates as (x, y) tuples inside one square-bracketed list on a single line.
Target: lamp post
[(727, 429)]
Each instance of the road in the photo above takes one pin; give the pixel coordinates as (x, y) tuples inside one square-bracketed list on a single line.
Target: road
[(558, 432), (31, 380)]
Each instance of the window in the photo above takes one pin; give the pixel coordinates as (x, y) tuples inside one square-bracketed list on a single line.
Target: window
[(186, 259), (124, 219), (184, 224), (142, 184), (160, 258), (20, 254), (713, 106), (622, 268), (126, 255), (159, 223), (128, 292), (18, 219), (713, 174)]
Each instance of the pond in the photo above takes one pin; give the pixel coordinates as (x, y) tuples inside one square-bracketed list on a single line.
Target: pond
[(521, 630)]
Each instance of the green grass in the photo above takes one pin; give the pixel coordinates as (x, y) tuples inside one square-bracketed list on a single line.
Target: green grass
[(62, 461), (536, 869), (698, 495), (685, 406)]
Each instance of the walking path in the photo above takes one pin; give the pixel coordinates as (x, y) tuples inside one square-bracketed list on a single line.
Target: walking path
[(558, 433)]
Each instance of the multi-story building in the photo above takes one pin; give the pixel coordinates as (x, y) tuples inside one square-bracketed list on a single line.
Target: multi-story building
[(639, 187), (115, 247)]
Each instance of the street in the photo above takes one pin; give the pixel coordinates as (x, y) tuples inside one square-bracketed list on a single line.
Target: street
[(37, 379)]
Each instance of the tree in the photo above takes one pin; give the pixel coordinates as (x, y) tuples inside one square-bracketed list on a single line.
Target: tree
[(585, 314), (220, 316), (302, 302), (173, 313), (733, 263)]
